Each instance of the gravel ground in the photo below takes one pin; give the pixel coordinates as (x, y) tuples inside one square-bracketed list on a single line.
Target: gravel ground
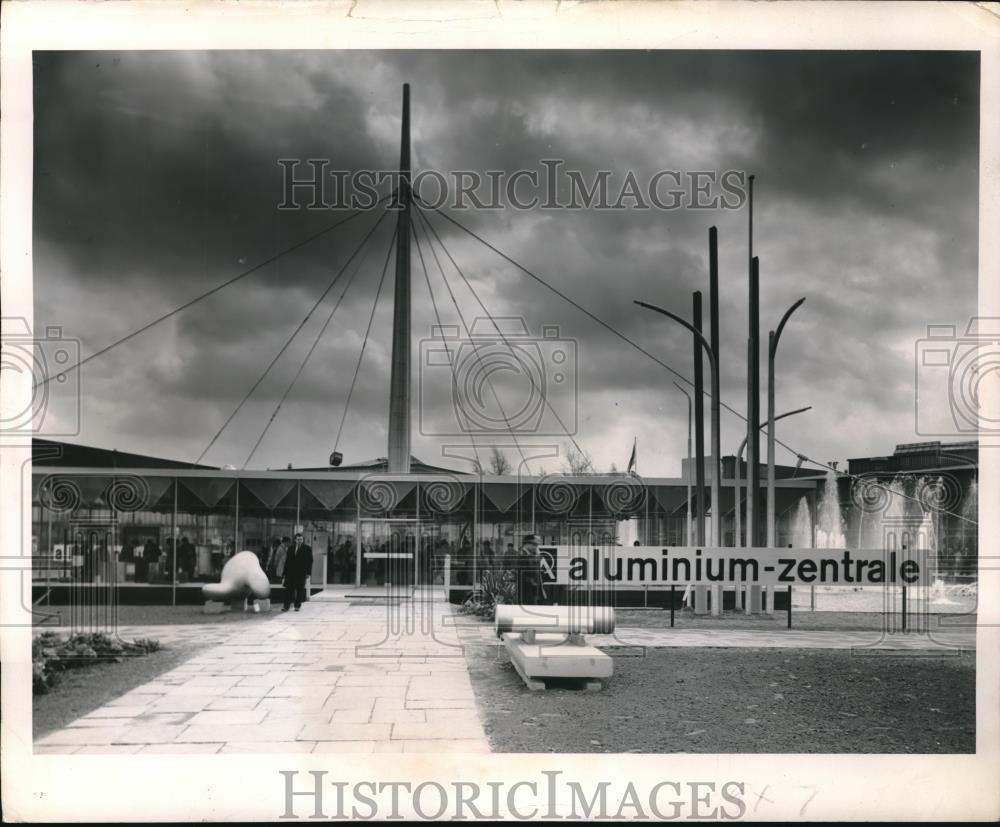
[(801, 619), (737, 701)]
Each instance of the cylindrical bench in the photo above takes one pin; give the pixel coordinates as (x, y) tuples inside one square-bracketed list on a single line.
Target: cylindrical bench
[(570, 620)]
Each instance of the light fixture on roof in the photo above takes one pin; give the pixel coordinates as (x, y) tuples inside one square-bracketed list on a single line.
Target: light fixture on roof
[(336, 458)]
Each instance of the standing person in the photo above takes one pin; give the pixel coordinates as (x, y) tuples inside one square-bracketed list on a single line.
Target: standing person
[(488, 560), (216, 559), (151, 557), (528, 573), (141, 563), (298, 566), (279, 559), (169, 557), (126, 556), (267, 556), (464, 561), (187, 557)]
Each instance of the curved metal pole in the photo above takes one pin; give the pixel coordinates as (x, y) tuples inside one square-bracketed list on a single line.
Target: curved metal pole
[(715, 524), (772, 347), (690, 525), (738, 475)]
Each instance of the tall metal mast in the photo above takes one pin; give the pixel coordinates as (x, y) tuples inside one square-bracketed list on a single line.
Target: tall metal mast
[(399, 386)]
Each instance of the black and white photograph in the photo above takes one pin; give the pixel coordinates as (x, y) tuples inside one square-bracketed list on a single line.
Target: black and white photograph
[(374, 404)]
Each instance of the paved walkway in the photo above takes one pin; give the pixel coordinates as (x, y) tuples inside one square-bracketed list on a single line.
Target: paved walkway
[(349, 675), (335, 677)]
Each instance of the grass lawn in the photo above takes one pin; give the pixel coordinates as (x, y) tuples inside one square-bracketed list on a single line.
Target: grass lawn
[(83, 690), (737, 701)]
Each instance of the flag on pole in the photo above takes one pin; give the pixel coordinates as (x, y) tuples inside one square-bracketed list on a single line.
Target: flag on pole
[(632, 459)]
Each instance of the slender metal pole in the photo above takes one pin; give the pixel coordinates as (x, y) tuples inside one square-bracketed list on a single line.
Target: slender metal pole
[(770, 438), (753, 448), (699, 422), (738, 474), (358, 548), (418, 535), (716, 459), (750, 426), (173, 532), (699, 394), (716, 406), (236, 530), (475, 535), (772, 349), (743, 445), (687, 476), (399, 382)]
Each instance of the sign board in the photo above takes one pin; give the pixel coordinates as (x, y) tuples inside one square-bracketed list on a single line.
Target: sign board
[(637, 567)]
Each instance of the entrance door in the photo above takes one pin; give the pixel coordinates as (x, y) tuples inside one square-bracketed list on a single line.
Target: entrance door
[(388, 549), (397, 551)]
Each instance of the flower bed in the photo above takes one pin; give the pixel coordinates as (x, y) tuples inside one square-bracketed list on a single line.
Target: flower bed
[(52, 654)]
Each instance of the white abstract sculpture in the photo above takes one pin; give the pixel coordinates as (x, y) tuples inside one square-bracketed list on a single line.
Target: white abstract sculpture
[(242, 577)]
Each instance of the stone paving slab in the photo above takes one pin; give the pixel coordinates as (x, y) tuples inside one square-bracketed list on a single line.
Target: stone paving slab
[(332, 679)]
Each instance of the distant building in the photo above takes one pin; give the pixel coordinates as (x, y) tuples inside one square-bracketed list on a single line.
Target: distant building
[(936, 481)]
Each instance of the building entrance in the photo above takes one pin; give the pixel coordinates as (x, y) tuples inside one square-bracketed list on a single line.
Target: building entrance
[(396, 551)]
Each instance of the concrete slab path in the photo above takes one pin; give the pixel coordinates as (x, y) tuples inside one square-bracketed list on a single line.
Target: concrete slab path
[(339, 676)]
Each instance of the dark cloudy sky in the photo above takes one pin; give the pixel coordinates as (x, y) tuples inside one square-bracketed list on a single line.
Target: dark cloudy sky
[(156, 177)]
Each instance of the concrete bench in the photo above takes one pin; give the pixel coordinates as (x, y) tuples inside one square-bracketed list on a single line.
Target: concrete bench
[(548, 642)]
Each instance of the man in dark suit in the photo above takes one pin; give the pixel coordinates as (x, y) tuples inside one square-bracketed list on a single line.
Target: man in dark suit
[(527, 567), (298, 566)]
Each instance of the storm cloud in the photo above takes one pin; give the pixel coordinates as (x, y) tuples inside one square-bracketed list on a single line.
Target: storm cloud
[(156, 177)]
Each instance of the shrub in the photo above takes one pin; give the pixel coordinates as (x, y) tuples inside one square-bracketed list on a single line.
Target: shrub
[(496, 587), (52, 653)]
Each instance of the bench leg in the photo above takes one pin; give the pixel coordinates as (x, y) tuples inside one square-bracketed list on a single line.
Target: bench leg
[(533, 685)]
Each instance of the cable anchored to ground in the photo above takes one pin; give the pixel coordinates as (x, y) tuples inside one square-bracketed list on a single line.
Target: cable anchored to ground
[(364, 343), (510, 347), (444, 341), (295, 333), (308, 355), (205, 295)]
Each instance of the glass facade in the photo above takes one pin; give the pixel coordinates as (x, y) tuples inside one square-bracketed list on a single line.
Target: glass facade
[(176, 531)]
